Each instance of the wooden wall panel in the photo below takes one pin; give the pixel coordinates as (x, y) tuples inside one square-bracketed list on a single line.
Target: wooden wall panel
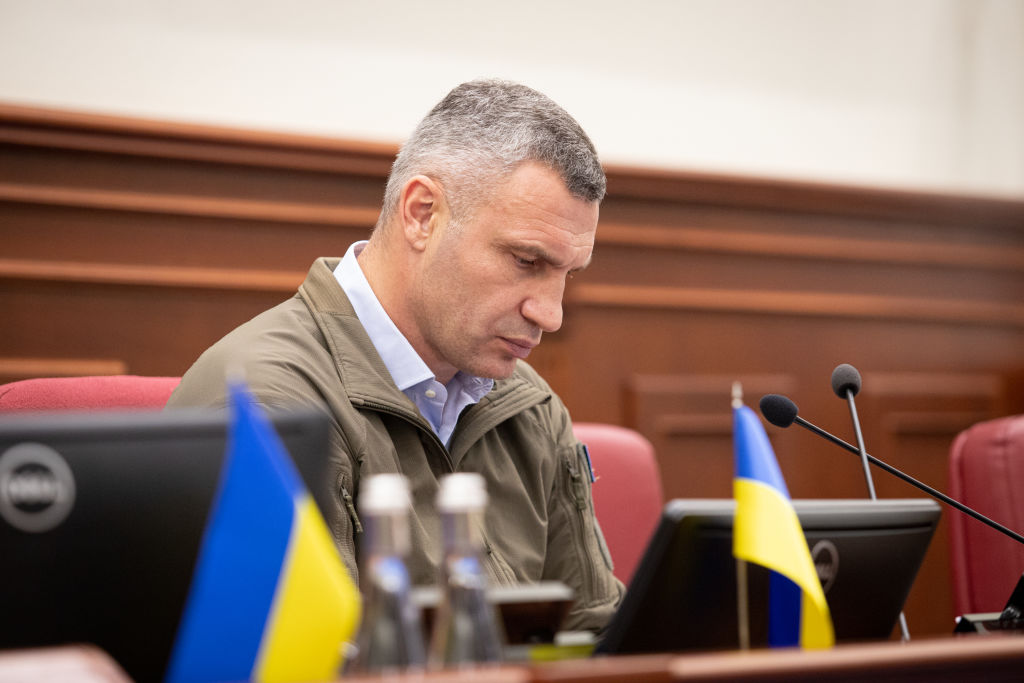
[(130, 246), (913, 418), (687, 419)]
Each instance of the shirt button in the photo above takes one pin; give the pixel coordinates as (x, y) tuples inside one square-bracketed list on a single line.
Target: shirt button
[(430, 393)]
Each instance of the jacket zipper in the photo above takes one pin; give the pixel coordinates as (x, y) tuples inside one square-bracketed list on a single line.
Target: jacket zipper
[(381, 408), (350, 507), (576, 483)]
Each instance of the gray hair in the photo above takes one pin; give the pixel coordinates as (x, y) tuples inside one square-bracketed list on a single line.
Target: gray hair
[(482, 131)]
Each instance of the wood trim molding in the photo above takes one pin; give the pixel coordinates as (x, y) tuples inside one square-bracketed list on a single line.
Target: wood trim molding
[(46, 127), (887, 252), (824, 199), (707, 384), (693, 424), (52, 118), (180, 205), (24, 368), (983, 385), (822, 304), (690, 239), (931, 423), (151, 276), (43, 127)]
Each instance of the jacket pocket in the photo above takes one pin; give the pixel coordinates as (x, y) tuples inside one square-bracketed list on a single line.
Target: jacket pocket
[(349, 524), (500, 571), (587, 534)]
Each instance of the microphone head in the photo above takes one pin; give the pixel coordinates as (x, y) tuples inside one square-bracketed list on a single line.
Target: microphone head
[(778, 410), (845, 378)]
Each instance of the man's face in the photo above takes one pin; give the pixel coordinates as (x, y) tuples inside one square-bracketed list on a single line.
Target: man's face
[(489, 288)]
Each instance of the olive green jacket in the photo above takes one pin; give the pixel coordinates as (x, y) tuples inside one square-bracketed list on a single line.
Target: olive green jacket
[(539, 523)]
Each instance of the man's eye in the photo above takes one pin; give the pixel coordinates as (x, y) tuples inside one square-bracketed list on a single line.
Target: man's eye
[(525, 262)]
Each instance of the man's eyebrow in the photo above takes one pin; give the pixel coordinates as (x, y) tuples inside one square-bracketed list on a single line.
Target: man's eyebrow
[(541, 254)]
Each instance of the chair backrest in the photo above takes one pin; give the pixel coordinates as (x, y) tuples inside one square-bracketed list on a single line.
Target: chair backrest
[(101, 392), (627, 492), (986, 472)]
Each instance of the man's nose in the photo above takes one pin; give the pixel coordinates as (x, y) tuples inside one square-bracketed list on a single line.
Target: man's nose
[(544, 307)]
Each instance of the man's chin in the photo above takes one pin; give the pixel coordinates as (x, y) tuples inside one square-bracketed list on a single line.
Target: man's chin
[(497, 370)]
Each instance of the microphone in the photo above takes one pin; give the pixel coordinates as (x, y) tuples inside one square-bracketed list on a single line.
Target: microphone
[(782, 412), (846, 385), (845, 379)]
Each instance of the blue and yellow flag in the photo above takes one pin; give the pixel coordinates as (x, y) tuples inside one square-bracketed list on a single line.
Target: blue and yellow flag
[(270, 598), (767, 532)]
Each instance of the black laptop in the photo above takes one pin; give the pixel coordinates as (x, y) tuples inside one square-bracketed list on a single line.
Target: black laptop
[(101, 519)]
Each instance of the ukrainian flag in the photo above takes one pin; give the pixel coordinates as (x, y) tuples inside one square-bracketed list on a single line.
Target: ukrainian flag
[(270, 599), (767, 532)]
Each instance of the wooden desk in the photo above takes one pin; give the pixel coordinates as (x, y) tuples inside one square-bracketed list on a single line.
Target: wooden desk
[(988, 658), (945, 659)]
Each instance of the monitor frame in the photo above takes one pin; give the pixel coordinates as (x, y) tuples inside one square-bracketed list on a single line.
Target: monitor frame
[(683, 593)]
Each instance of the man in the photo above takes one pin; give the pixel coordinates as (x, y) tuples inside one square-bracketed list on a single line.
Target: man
[(415, 341)]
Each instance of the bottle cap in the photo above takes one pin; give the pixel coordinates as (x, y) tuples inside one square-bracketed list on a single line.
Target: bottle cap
[(462, 492), (385, 494)]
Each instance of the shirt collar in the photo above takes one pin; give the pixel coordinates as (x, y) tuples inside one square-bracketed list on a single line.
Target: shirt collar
[(406, 367)]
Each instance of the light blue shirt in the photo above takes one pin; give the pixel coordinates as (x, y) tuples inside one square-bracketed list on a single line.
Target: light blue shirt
[(440, 404)]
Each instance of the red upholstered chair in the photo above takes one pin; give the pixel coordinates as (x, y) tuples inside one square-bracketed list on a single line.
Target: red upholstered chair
[(627, 491), (86, 393), (986, 472)]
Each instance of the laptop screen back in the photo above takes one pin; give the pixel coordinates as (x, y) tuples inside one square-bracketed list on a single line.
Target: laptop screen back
[(101, 520)]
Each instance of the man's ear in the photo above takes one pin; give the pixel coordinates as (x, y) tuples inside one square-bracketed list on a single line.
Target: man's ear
[(422, 210)]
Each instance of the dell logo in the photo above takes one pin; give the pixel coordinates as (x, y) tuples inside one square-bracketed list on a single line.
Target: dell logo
[(826, 563), (37, 489), (32, 487)]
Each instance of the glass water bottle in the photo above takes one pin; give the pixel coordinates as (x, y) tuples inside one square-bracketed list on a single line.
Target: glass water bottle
[(390, 637), (466, 629)]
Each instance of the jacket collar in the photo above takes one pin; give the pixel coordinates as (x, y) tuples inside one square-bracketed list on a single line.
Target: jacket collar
[(365, 377)]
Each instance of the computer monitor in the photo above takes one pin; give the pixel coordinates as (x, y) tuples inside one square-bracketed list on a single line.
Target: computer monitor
[(115, 568), (683, 593)]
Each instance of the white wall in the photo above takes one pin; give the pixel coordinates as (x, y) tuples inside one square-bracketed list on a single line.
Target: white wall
[(925, 94)]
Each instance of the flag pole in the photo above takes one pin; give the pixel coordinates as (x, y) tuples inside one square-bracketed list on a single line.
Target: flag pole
[(742, 595), (742, 604)]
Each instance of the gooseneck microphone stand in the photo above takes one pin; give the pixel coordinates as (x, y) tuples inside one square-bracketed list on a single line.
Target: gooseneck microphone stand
[(846, 384)]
